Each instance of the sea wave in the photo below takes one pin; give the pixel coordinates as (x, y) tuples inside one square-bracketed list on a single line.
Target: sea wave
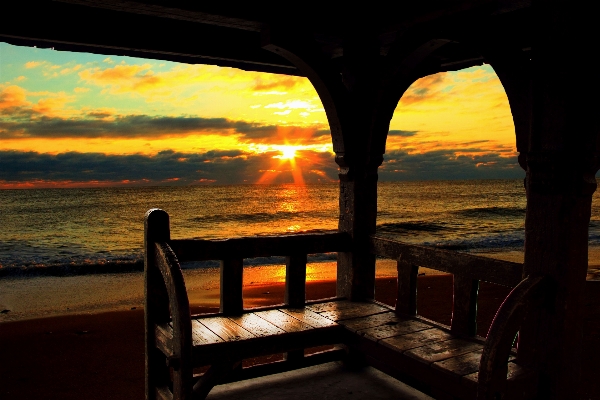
[(490, 212), (503, 241), (136, 265), (257, 217), (402, 227), (109, 267)]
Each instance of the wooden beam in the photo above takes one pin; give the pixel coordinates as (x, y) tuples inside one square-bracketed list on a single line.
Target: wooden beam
[(259, 246), (136, 7)]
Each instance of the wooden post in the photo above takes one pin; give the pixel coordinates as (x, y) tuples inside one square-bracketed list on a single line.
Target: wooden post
[(464, 307), (232, 271), (156, 300), (360, 103), (406, 301), (295, 280), (358, 165), (295, 293)]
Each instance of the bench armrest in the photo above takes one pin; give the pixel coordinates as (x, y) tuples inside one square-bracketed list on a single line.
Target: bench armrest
[(530, 293)]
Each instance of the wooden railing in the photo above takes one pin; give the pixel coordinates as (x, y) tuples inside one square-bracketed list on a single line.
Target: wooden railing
[(231, 253), (168, 319), (467, 269)]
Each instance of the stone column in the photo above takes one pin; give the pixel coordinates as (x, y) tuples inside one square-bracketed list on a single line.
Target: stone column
[(561, 164), (358, 165)]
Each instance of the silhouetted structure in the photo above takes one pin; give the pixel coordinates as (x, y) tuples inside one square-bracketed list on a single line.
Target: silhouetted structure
[(361, 60)]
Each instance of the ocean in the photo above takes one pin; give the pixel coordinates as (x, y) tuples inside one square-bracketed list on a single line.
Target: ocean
[(79, 231)]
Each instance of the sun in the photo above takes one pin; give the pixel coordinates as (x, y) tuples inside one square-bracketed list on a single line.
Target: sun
[(288, 152)]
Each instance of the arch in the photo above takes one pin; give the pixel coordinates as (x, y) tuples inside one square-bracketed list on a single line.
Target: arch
[(509, 63), (328, 86)]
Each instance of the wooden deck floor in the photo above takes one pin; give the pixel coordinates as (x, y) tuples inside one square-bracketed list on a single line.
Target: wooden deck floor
[(411, 347), (325, 381)]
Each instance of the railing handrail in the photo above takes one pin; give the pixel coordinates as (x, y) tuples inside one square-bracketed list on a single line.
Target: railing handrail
[(260, 246), (480, 268)]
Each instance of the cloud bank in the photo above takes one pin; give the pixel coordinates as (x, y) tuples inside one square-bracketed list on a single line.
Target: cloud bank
[(239, 167)]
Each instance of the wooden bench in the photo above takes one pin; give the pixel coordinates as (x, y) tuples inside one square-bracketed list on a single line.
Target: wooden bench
[(447, 362)]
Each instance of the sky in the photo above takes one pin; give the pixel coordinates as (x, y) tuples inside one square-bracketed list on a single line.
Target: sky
[(88, 120)]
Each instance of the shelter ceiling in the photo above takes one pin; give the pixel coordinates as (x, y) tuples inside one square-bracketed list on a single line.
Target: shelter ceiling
[(229, 34)]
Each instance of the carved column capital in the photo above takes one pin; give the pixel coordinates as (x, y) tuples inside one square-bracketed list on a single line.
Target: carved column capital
[(561, 173)]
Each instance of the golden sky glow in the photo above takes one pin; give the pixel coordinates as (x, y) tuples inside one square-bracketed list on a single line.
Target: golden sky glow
[(265, 128)]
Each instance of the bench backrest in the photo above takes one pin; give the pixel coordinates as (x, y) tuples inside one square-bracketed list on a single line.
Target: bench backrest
[(231, 253), (467, 270)]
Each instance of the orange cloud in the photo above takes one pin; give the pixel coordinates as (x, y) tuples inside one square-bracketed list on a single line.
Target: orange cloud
[(122, 77), (55, 105), (11, 98), (33, 64), (263, 83), (424, 89)]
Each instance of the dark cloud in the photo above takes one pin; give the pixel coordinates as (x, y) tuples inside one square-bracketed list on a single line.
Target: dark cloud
[(125, 126), (236, 167), (444, 164), (167, 167), (396, 132), (102, 124)]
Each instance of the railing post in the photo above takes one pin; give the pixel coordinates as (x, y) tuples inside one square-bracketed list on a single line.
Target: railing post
[(464, 308), (406, 301), (295, 280), (295, 293), (156, 300), (232, 271)]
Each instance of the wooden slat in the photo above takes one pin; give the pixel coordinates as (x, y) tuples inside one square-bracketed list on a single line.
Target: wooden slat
[(260, 246), (329, 306), (309, 317), (417, 339), (232, 271), (164, 338), (515, 373), (295, 280), (163, 393), (257, 325), (481, 268), (459, 366), (201, 335), (354, 311), (442, 350), (226, 329), (357, 324), (464, 308), (406, 301), (284, 321), (390, 330)]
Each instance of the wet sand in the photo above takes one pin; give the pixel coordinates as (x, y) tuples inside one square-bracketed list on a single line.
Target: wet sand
[(96, 351)]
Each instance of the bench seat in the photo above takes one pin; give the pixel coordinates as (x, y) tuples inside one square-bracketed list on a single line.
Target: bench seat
[(188, 355), (405, 347)]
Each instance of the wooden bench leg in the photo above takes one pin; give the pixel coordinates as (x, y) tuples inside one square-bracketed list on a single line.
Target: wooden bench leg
[(216, 372), (354, 360), (294, 356)]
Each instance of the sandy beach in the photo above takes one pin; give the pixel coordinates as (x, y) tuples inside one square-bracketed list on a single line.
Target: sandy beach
[(82, 336)]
